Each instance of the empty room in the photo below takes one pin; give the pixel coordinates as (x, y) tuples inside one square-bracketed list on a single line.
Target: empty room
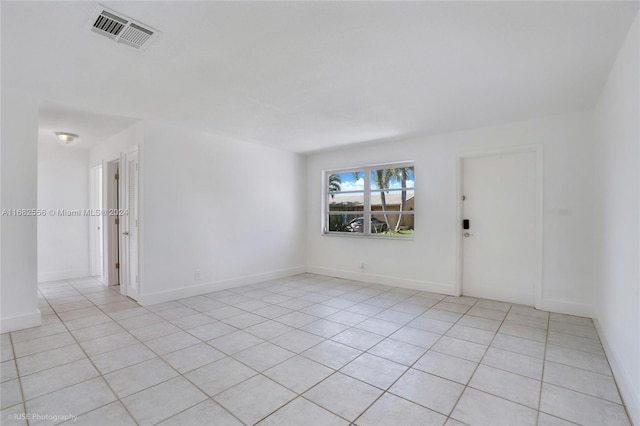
[(320, 213)]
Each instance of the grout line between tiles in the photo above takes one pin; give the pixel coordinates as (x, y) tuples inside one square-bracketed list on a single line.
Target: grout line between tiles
[(310, 286), (447, 416), (466, 386), (544, 362), (97, 370)]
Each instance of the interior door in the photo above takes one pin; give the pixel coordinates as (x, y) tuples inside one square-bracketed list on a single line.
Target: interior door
[(95, 237), (499, 248), (129, 284)]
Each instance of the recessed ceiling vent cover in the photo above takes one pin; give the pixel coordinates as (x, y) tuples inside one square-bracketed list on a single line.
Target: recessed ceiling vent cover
[(121, 29)]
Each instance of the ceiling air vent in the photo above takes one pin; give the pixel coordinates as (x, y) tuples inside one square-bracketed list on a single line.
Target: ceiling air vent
[(121, 29)]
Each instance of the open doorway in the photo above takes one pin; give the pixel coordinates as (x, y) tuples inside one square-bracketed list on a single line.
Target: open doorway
[(121, 236), (112, 221), (78, 190)]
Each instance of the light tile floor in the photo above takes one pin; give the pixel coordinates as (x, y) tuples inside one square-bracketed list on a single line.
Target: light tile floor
[(306, 350)]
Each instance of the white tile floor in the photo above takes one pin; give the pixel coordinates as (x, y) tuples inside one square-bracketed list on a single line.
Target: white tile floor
[(306, 350)]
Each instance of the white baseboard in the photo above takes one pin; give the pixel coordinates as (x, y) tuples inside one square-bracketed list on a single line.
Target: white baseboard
[(441, 288), (630, 395), (101, 278), (196, 290), (569, 308), (62, 275), (20, 322)]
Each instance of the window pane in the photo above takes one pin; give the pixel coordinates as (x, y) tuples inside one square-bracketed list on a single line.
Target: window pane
[(352, 201), (395, 178), (346, 181), (388, 213), (392, 223), (393, 200), (345, 223)]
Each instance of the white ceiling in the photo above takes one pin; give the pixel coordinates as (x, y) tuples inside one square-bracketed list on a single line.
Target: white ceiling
[(305, 76), (92, 128)]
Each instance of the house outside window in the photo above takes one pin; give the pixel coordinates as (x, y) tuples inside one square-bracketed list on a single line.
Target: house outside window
[(376, 201)]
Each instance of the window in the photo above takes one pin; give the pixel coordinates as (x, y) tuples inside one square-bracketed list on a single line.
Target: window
[(373, 201)]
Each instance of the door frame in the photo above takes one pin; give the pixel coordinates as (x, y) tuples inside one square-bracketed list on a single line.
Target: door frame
[(96, 232), (111, 235), (490, 152)]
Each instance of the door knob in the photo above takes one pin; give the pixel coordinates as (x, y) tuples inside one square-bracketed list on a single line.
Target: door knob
[(125, 233)]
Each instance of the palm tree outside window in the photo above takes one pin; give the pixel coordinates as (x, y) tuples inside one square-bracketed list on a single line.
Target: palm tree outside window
[(371, 201)]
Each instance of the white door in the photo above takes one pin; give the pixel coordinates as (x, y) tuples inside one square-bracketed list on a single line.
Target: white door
[(129, 283), (95, 236), (500, 250)]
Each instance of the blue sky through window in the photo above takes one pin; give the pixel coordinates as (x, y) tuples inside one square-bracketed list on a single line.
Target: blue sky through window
[(349, 182), (394, 182)]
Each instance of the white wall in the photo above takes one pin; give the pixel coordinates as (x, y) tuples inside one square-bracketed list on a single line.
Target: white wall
[(18, 277), (429, 261), (233, 211), (618, 217), (63, 183), (110, 148)]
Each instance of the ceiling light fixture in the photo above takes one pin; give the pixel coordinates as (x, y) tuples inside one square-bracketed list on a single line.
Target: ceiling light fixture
[(66, 138)]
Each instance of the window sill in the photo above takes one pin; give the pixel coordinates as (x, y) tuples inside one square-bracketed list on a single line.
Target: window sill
[(372, 237)]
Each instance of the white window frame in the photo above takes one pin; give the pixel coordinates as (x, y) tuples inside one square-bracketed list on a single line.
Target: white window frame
[(366, 211)]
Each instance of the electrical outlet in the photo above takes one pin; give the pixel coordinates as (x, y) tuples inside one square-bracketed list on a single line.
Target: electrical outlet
[(196, 275)]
